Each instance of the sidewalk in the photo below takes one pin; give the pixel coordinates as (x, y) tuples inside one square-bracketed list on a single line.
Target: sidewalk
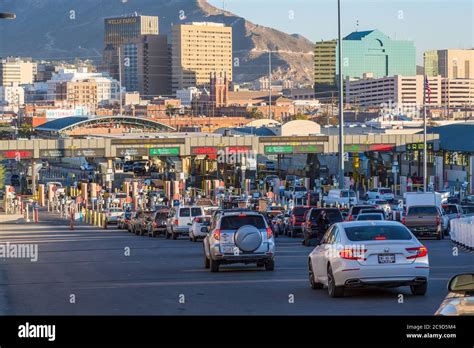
[(12, 218)]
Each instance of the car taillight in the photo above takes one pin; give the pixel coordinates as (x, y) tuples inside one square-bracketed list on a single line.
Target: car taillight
[(438, 219), (293, 219), (176, 222), (350, 218), (308, 223), (269, 232), (419, 252), (404, 220), (380, 238), (352, 254), (217, 234), (197, 220)]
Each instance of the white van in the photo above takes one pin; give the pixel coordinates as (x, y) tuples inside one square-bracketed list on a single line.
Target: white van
[(180, 220), (341, 197)]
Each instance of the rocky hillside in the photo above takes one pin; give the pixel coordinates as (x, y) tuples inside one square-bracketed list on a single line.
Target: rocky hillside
[(74, 28)]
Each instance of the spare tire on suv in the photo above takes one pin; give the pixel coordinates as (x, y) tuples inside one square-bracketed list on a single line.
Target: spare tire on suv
[(248, 238)]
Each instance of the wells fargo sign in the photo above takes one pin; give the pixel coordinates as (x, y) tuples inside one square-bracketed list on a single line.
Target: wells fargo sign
[(117, 21)]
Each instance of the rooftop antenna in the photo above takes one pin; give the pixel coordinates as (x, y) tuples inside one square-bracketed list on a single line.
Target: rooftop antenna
[(357, 25)]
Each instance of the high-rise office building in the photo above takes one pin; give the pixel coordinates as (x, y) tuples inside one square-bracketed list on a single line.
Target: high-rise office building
[(430, 63), (364, 52), (455, 64), (199, 49), (14, 70), (145, 60)]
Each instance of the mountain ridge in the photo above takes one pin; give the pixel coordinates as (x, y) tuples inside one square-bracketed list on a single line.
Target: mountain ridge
[(57, 29)]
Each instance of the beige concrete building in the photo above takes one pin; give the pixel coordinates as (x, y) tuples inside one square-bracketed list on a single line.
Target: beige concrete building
[(199, 49), (457, 93), (406, 90), (450, 63), (74, 93), (16, 70), (325, 63)]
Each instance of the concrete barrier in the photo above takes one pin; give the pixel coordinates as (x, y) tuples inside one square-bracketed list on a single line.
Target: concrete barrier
[(462, 232)]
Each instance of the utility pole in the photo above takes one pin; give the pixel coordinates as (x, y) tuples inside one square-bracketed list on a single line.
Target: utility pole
[(425, 151), (120, 79), (270, 84), (341, 100)]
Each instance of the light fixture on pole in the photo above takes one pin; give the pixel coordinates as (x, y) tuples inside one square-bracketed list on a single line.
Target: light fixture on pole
[(6, 15), (341, 100)]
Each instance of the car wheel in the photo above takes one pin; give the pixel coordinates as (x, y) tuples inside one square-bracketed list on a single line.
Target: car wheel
[(167, 235), (194, 239), (292, 233), (213, 265), (314, 284), (419, 290), (270, 265), (173, 235), (333, 290)]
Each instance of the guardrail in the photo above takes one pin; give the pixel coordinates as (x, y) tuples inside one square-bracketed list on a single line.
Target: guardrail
[(462, 232)]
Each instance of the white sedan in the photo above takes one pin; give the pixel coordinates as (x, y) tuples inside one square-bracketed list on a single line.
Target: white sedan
[(113, 215), (199, 228), (362, 254)]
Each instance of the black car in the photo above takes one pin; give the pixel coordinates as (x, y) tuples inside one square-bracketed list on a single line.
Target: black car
[(315, 225), (140, 168), (355, 210)]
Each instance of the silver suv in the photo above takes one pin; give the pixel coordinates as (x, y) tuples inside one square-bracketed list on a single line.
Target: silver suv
[(239, 237)]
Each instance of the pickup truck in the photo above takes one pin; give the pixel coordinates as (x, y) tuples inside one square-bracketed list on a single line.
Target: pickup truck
[(424, 221)]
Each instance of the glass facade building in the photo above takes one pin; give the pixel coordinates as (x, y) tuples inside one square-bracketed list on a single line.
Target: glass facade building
[(363, 52)]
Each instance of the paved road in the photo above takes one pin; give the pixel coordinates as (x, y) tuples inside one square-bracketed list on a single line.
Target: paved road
[(91, 264)]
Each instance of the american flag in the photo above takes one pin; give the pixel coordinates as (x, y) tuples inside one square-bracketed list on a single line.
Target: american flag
[(428, 89)]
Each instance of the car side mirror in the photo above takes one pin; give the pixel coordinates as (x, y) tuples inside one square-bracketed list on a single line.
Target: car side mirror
[(462, 283)]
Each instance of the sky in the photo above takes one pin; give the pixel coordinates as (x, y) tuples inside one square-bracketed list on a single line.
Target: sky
[(432, 24)]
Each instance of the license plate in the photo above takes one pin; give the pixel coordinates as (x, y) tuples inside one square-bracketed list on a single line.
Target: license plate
[(204, 229), (386, 258), (228, 249)]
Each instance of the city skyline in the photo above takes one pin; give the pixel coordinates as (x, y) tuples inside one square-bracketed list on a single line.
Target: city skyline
[(400, 19)]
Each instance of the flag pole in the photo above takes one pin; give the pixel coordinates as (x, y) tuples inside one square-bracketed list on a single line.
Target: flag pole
[(425, 152)]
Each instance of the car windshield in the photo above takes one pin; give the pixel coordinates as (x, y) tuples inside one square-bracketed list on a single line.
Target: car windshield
[(422, 211), (468, 209), (237, 221), (450, 209), (300, 188), (381, 202), (356, 210), (115, 210), (374, 232), (362, 217), (348, 194), (385, 191), (196, 211), (184, 212), (333, 215), (299, 211), (161, 215)]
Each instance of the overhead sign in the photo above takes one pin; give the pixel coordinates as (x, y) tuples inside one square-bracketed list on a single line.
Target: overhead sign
[(279, 149), (419, 146), (133, 152), (164, 151), (286, 139), (14, 154), (359, 148), (52, 153), (204, 150), (294, 149), (308, 149)]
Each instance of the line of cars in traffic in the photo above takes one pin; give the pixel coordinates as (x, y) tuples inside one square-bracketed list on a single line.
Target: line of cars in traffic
[(354, 247)]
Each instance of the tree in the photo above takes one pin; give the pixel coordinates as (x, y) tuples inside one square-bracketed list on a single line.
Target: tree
[(300, 116), (25, 130), (255, 114)]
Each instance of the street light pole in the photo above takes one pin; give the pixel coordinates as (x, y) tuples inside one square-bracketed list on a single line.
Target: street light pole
[(270, 84), (341, 100)]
